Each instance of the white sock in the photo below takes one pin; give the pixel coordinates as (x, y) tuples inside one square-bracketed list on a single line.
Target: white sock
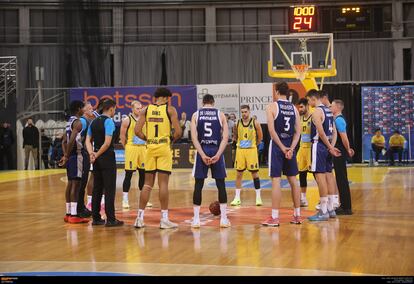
[(103, 199), (296, 211), (125, 196), (275, 213), (302, 196), (258, 193), (196, 210), (141, 214), (336, 198), (223, 210), (164, 214), (67, 207), (324, 204), (330, 202), (73, 208), (89, 199), (237, 193)]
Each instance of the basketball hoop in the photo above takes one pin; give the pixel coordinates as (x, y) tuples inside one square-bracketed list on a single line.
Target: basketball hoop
[(300, 70)]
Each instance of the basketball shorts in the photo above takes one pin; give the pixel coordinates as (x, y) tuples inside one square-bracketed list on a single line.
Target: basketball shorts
[(158, 158), (321, 159), (74, 167), (134, 157), (246, 159), (218, 169), (304, 158), (278, 164)]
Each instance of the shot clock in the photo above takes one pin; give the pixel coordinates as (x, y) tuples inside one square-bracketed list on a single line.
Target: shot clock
[(302, 19)]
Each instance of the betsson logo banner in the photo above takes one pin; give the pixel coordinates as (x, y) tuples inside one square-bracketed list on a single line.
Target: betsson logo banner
[(184, 98)]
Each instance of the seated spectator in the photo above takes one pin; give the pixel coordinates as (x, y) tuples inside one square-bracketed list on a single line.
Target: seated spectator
[(378, 144), (396, 146)]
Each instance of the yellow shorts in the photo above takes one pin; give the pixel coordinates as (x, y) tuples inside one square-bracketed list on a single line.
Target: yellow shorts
[(159, 158), (134, 157), (246, 159), (304, 158)]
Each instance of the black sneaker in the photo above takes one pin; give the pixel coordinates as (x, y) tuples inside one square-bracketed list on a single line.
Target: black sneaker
[(115, 223), (341, 211), (85, 213), (98, 222)]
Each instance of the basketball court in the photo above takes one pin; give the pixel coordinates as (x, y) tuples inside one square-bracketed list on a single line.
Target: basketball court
[(358, 52)]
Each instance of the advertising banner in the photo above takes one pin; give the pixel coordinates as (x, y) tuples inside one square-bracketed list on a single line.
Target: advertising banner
[(226, 97)]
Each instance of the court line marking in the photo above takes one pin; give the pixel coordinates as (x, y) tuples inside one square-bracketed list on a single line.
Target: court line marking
[(191, 268)]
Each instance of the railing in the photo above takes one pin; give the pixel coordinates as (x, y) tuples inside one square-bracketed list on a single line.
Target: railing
[(8, 78)]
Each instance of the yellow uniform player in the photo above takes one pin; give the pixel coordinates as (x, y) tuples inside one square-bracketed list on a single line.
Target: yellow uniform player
[(248, 134)]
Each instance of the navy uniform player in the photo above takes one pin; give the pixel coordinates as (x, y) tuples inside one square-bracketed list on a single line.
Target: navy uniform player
[(323, 134), (284, 129), (209, 133)]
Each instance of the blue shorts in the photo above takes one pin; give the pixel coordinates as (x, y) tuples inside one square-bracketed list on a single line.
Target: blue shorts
[(278, 163), (74, 167), (218, 170), (321, 159)]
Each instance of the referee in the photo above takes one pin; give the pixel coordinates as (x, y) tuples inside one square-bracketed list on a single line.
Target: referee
[(102, 133), (342, 143)]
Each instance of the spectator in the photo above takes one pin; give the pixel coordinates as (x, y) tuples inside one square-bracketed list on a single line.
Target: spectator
[(45, 148), (396, 146), (231, 125), (378, 144), (185, 126), (30, 143), (57, 151), (6, 144)]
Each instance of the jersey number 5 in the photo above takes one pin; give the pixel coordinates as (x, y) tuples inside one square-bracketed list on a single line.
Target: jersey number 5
[(208, 132)]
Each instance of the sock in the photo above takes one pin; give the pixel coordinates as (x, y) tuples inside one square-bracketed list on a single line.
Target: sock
[(336, 198), (223, 210), (324, 204), (125, 196), (258, 193), (73, 208), (302, 196), (196, 213), (275, 213), (164, 214), (141, 214), (330, 202), (237, 193), (68, 208), (103, 199), (296, 212), (89, 199)]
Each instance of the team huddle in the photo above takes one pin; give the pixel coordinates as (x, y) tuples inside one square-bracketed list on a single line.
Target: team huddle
[(148, 133)]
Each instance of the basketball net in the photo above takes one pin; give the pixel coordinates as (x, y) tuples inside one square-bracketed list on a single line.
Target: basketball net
[(300, 71)]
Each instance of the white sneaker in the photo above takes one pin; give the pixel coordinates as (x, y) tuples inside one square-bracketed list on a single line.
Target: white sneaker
[(336, 205), (225, 223), (375, 163), (195, 224), (139, 223), (125, 204), (304, 202), (167, 224), (149, 204)]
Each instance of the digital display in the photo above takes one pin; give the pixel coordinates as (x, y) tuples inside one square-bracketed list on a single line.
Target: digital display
[(352, 18), (302, 19)]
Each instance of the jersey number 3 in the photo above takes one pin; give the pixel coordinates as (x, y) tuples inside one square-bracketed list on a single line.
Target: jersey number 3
[(287, 124)]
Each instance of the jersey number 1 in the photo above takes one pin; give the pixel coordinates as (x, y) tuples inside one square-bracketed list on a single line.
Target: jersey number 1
[(156, 130)]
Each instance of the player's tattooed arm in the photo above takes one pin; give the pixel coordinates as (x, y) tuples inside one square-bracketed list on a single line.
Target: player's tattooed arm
[(271, 110), (224, 139), (178, 131), (123, 133), (259, 132), (140, 124), (196, 143)]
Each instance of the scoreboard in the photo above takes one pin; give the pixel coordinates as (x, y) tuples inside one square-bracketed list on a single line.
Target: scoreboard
[(302, 19)]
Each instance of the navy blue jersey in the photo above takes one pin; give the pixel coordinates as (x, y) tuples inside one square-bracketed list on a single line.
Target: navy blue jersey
[(327, 124), (77, 147), (285, 120), (209, 126)]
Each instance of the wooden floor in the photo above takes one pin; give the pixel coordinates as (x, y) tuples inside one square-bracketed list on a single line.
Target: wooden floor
[(377, 239)]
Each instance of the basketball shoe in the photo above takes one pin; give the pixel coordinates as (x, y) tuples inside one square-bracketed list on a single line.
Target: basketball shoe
[(271, 222), (225, 223), (236, 202), (296, 220), (319, 216), (139, 223), (167, 224)]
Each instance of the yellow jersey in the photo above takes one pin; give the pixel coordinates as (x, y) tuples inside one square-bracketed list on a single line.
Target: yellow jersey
[(158, 125), (246, 134), (378, 139), (397, 140), (132, 139), (305, 135)]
